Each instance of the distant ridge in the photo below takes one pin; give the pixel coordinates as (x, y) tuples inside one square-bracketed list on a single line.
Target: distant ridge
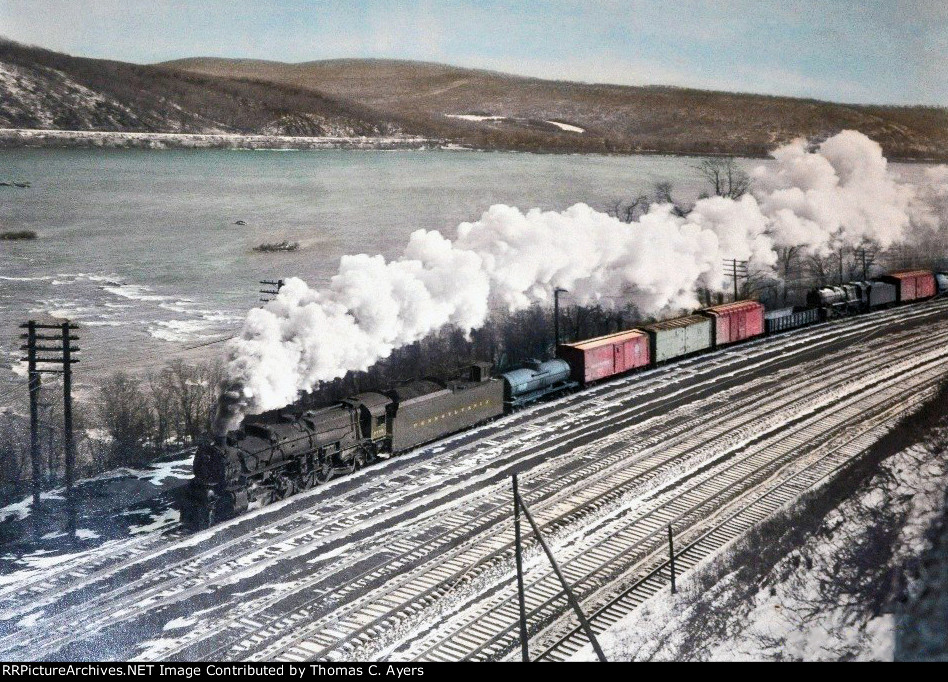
[(484, 109)]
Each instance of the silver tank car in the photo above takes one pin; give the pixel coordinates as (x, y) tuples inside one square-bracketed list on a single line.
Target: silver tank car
[(535, 381)]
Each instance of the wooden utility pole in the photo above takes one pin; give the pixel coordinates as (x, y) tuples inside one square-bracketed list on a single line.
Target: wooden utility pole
[(671, 557), (524, 640), (556, 319), (571, 598), (34, 385), (735, 269), (62, 355), (67, 411)]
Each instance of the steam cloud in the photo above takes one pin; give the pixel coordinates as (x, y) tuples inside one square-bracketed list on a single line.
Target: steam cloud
[(841, 194)]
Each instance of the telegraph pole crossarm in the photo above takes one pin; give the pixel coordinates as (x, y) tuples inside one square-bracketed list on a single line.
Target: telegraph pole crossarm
[(277, 285)]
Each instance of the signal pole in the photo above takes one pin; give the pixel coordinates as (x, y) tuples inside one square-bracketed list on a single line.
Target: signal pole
[(734, 269)]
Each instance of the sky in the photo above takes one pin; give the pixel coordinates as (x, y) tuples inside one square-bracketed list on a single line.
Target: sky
[(859, 51)]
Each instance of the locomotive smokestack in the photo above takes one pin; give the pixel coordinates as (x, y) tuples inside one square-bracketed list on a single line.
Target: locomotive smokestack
[(231, 408)]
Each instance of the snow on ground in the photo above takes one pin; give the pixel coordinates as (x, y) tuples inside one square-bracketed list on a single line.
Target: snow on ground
[(825, 600), (477, 118), (567, 127), (165, 471), (473, 117), (98, 138)]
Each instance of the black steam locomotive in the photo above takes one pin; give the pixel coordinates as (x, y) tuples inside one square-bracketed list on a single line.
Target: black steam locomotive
[(271, 458)]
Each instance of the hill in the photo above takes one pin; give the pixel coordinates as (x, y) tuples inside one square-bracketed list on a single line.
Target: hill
[(485, 109), (47, 90), (504, 111)]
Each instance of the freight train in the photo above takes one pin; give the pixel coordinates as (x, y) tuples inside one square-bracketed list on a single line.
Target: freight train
[(269, 459)]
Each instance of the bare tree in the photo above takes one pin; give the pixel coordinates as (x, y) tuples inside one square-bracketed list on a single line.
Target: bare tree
[(663, 195), (123, 412), (629, 211), (822, 268), (726, 178)]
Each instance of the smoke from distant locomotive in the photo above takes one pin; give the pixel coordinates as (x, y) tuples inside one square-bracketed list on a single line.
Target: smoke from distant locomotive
[(840, 194)]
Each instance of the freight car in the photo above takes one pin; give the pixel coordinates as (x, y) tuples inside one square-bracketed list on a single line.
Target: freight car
[(536, 381), (734, 322), (941, 283), (680, 337), (912, 285), (273, 457), (791, 318), (606, 356)]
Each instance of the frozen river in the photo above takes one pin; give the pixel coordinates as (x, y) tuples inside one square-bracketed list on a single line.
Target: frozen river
[(143, 249)]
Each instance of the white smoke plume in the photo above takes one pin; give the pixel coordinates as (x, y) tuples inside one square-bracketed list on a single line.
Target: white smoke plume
[(842, 193)]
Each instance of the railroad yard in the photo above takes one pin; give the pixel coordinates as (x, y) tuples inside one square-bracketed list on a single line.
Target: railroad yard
[(412, 559)]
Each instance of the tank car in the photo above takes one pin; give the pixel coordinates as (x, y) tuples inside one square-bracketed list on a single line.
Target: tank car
[(535, 381)]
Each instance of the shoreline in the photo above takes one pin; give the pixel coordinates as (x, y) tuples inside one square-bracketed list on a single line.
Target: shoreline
[(40, 138), (34, 138)]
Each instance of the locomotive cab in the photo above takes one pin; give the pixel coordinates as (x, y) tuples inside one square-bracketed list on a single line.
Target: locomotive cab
[(373, 410)]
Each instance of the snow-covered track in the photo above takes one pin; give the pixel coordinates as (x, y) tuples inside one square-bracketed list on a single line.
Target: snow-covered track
[(302, 579), (606, 548), (736, 519), (407, 586)]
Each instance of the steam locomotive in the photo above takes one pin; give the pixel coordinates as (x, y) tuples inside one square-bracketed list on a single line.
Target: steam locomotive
[(271, 458)]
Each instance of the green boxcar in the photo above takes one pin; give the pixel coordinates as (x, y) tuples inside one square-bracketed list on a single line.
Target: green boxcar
[(681, 336)]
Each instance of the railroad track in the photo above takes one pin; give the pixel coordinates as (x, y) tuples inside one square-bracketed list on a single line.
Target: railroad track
[(594, 558), (122, 555), (734, 524), (291, 535), (389, 612), (601, 560)]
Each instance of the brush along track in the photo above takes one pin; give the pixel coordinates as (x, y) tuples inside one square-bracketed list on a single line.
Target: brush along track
[(288, 533), (385, 611), (596, 563)]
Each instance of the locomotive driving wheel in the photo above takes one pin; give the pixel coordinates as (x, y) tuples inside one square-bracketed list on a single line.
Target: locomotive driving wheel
[(283, 487), (324, 471)]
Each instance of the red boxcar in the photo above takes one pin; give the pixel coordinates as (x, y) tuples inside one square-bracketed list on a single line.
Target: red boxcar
[(606, 356), (736, 321), (912, 284)]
